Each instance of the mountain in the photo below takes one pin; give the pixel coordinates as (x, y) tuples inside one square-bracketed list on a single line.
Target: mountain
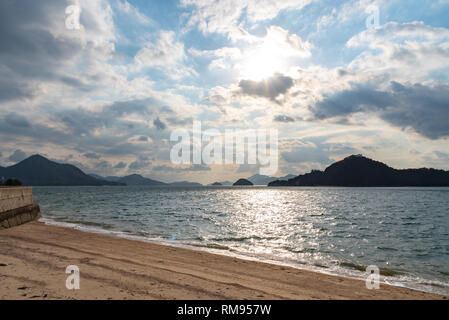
[(96, 176), (39, 171), (243, 182), (287, 177), (226, 183), (359, 171), (111, 178), (138, 180), (261, 180), (221, 183)]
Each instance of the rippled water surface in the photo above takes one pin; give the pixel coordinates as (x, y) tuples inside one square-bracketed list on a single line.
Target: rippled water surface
[(404, 231)]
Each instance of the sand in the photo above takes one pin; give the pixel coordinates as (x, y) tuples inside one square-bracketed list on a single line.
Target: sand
[(34, 257)]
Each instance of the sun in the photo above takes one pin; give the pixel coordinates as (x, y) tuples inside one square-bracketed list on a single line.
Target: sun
[(261, 63)]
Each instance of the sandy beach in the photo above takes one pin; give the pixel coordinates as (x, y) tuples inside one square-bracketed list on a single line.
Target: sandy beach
[(34, 257)]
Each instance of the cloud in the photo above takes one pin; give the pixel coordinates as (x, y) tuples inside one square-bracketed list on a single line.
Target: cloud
[(32, 36), (288, 44), (424, 109), (12, 88), (82, 121), (17, 156), (198, 167), (278, 51), (248, 168), (349, 11), (216, 99), (139, 165), (285, 119), (109, 130), (177, 121), (409, 51), (120, 165), (192, 168), (128, 107), (393, 31), (351, 101), (104, 167), (17, 120), (92, 155), (127, 8), (226, 16), (159, 124), (87, 92), (270, 88), (164, 51), (307, 154), (166, 54)]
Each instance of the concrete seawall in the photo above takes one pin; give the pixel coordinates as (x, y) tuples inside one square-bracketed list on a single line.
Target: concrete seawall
[(17, 206)]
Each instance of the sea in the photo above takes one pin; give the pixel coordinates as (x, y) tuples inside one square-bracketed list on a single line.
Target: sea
[(402, 231)]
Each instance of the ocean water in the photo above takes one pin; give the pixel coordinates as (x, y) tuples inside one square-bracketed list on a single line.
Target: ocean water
[(403, 231)]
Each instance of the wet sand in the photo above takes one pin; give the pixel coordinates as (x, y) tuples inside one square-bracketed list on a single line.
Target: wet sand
[(34, 257)]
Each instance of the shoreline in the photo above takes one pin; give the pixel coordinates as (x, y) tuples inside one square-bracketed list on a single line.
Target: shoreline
[(344, 272), (34, 258)]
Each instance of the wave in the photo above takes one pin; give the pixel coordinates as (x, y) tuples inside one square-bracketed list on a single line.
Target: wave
[(337, 268), (383, 271), (210, 246)]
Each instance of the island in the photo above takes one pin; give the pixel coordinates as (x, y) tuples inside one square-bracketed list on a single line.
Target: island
[(359, 171), (243, 182)]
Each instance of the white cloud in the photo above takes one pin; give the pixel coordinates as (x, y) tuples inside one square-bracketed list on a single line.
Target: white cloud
[(404, 52), (132, 11), (166, 54), (276, 52), (165, 51), (349, 11), (224, 16)]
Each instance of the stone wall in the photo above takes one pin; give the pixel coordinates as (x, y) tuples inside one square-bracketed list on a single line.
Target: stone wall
[(17, 206)]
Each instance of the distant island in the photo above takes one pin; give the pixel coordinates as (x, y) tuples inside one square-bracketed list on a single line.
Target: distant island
[(261, 180), (222, 183), (257, 180), (353, 171), (243, 182), (131, 180), (40, 171), (359, 171), (138, 180)]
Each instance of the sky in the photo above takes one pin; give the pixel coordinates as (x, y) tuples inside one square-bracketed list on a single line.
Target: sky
[(107, 95)]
